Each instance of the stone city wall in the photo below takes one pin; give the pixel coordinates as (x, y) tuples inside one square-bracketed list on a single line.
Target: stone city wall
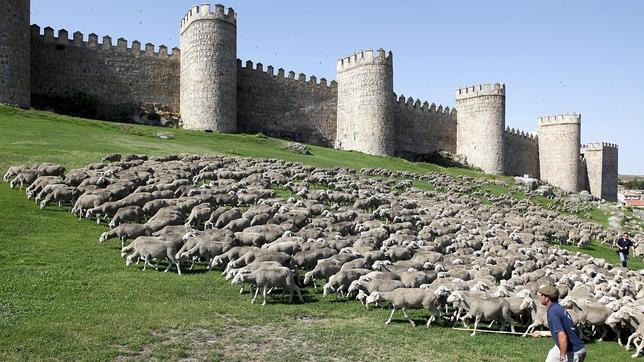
[(422, 129), (481, 126), (600, 161), (208, 69), (559, 144), (521, 153), (122, 78), (14, 52), (365, 120), (283, 105)]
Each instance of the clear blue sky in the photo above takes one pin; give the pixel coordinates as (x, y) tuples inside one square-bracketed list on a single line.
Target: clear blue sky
[(555, 56)]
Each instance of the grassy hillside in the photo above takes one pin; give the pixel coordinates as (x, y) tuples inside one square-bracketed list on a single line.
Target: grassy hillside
[(64, 296)]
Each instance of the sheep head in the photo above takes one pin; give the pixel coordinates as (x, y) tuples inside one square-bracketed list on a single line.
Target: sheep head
[(372, 298)]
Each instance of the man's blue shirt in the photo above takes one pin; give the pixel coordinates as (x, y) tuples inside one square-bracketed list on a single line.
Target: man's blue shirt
[(559, 320)]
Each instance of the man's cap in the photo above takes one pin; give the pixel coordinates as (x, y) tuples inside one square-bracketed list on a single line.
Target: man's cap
[(549, 291)]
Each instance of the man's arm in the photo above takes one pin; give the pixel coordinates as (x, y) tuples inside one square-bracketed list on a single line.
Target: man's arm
[(541, 334), (563, 345)]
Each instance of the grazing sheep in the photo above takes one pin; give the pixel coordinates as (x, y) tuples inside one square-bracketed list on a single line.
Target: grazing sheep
[(149, 248), (61, 195), (270, 277), (13, 171), (341, 281), (125, 232), (323, 270), (199, 215), (125, 215)]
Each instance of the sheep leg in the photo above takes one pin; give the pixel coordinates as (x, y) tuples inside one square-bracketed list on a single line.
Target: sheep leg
[(431, 318), (639, 350), (390, 316), (511, 321), (169, 265), (176, 262), (255, 297), (299, 295), (630, 339), (122, 242), (530, 329), (265, 292), (315, 287), (492, 323), (406, 316), (476, 323), (145, 264), (604, 332)]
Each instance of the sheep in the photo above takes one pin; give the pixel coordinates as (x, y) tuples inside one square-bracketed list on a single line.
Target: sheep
[(478, 308), (340, 281), (271, 277), (13, 171), (125, 215), (403, 299), (105, 210), (199, 214), (379, 285), (61, 195), (323, 270), (307, 259), (51, 169), (226, 217), (150, 248), (538, 314), (26, 176), (126, 231), (48, 190)]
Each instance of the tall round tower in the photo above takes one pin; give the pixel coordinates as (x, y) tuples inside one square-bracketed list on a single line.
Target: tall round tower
[(209, 69), (480, 125), (15, 60), (559, 144), (365, 115)]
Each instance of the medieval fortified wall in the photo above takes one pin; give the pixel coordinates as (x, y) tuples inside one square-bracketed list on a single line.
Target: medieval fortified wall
[(212, 90)]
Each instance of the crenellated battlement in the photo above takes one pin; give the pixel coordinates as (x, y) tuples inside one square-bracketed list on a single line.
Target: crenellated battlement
[(206, 12), (513, 132), (567, 118), (419, 106), (281, 73), (598, 146), (92, 42), (496, 89), (364, 57)]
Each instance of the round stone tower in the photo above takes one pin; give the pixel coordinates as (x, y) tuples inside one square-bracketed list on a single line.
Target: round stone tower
[(209, 69), (15, 60), (365, 115), (480, 126), (559, 144)]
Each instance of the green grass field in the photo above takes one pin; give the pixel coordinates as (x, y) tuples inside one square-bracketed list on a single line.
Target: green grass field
[(64, 296)]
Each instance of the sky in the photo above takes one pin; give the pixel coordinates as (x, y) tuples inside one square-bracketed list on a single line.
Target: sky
[(555, 56)]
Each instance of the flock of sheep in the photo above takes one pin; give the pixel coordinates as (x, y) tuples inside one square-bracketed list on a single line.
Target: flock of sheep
[(368, 234)]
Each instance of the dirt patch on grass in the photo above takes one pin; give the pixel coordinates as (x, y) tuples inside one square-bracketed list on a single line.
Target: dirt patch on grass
[(234, 342)]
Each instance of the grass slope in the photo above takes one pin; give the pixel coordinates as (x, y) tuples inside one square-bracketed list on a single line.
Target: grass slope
[(64, 296)]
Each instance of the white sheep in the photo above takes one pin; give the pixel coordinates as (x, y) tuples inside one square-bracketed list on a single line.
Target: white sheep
[(148, 248), (270, 277)]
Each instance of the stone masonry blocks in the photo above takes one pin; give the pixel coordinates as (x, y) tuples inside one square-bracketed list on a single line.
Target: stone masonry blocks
[(601, 165), (15, 74), (559, 144), (365, 111), (481, 126), (208, 95)]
